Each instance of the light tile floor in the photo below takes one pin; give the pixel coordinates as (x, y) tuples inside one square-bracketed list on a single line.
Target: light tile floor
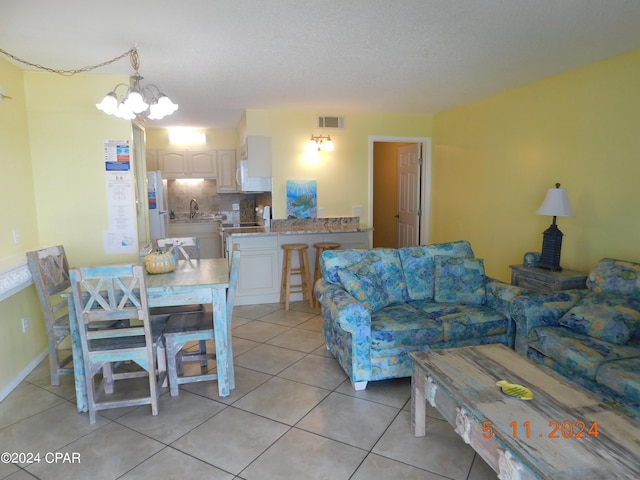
[(293, 415)]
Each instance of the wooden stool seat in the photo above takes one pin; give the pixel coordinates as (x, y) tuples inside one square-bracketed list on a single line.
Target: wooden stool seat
[(320, 248), (304, 287)]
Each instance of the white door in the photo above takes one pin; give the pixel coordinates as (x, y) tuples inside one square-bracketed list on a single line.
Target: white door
[(409, 196)]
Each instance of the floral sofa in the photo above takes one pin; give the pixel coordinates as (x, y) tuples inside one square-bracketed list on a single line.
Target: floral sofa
[(592, 336), (380, 304)]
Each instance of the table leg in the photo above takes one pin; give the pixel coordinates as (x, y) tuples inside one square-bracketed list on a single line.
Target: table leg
[(223, 345), (78, 360), (418, 402)]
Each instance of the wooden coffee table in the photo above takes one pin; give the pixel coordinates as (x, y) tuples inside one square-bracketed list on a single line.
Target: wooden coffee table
[(562, 433)]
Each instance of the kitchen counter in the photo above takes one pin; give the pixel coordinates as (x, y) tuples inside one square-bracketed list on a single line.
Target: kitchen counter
[(302, 225), (295, 229), (261, 251)]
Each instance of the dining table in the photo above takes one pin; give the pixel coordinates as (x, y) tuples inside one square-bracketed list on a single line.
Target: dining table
[(204, 281)]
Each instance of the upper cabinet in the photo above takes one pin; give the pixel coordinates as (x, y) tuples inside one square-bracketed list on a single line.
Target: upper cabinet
[(188, 163), (257, 150), (227, 171)]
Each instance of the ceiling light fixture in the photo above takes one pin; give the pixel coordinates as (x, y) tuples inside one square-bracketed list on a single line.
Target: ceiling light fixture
[(138, 101), (318, 143)]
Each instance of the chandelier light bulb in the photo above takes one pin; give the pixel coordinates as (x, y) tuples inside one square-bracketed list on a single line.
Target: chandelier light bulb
[(167, 106), (109, 104), (135, 102)]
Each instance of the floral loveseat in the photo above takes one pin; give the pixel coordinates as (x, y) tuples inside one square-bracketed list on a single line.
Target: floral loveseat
[(380, 304), (592, 336)]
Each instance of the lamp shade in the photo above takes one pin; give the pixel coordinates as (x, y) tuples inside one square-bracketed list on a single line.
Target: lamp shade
[(556, 203)]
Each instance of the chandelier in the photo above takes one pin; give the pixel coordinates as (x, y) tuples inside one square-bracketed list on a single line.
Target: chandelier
[(138, 101)]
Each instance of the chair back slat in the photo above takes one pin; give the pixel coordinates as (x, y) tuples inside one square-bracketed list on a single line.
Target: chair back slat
[(106, 294), (50, 272), (188, 247)]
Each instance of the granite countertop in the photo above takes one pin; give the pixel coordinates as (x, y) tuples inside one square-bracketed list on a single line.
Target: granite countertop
[(246, 231), (301, 226)]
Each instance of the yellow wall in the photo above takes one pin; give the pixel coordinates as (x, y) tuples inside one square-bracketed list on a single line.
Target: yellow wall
[(66, 133), (52, 188), (494, 160), (16, 192), (342, 175), (17, 349)]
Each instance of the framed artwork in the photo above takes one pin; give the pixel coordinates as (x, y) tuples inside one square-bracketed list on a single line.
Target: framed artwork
[(302, 199)]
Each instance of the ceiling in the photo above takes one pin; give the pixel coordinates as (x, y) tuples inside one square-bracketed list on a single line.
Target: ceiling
[(216, 58)]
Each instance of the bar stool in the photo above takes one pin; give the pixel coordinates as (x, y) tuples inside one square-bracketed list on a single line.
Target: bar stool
[(320, 248), (287, 288)]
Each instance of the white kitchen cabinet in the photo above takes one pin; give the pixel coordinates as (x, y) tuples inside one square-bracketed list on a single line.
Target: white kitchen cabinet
[(226, 181), (208, 233), (188, 163), (259, 274), (257, 150)]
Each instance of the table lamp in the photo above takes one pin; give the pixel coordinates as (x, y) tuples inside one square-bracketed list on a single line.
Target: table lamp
[(556, 204)]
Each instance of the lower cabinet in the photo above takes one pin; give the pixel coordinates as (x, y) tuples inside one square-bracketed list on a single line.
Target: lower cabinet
[(259, 277), (208, 233), (260, 273)]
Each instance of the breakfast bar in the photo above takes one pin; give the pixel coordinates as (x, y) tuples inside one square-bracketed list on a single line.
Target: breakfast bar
[(260, 266)]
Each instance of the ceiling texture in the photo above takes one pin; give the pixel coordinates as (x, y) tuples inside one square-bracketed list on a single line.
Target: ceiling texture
[(216, 58)]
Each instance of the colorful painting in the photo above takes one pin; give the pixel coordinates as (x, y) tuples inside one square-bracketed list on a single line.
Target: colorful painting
[(302, 199)]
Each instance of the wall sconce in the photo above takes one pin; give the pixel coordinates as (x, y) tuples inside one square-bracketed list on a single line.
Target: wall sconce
[(556, 204), (317, 143), (138, 101)]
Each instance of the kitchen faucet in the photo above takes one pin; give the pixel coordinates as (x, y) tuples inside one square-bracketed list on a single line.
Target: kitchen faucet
[(193, 208)]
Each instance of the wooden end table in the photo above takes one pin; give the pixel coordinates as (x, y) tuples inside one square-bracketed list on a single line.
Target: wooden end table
[(562, 433), (539, 280)]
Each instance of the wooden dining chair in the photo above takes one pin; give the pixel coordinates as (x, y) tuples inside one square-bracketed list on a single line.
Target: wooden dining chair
[(102, 296), (186, 248), (182, 328), (50, 272)]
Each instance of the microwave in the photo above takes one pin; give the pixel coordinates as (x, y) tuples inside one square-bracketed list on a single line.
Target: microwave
[(251, 184)]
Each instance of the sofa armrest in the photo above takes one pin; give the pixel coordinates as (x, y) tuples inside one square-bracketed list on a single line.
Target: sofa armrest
[(501, 294), (532, 310), (345, 310)]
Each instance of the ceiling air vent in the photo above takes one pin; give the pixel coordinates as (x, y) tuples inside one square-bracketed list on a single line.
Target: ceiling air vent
[(330, 122)]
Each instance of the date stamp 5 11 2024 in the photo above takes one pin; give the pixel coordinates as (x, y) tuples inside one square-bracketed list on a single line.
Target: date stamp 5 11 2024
[(555, 429)]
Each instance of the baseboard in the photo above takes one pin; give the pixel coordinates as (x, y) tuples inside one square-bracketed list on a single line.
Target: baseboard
[(4, 393)]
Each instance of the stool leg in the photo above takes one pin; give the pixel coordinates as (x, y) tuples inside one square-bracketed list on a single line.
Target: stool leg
[(306, 278), (284, 275), (287, 293), (316, 275)]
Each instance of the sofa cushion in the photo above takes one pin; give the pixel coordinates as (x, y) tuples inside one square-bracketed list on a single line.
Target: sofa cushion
[(362, 281), (459, 280), (610, 317), (615, 276), (622, 376), (419, 266), (575, 351), (385, 260), (463, 322), (401, 325)]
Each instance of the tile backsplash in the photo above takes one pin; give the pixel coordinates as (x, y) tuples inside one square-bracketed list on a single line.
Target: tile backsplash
[(180, 193)]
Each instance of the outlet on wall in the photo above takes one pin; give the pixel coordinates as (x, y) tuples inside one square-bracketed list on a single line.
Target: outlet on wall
[(235, 206), (16, 236), (357, 210), (25, 324)]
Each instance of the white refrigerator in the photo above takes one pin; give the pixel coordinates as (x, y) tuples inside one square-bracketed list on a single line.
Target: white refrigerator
[(158, 207)]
